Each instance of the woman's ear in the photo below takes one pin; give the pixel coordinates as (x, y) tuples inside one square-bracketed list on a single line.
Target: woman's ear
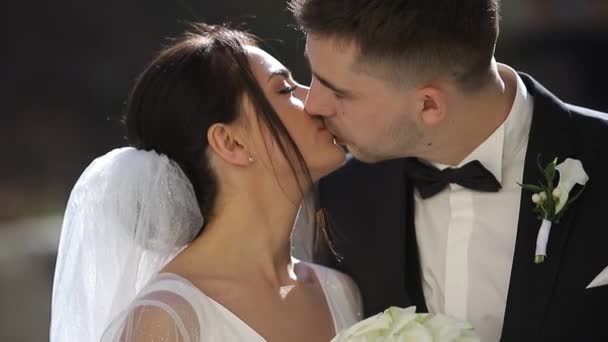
[(432, 105), (226, 142)]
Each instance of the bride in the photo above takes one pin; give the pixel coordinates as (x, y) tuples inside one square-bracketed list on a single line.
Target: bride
[(185, 235)]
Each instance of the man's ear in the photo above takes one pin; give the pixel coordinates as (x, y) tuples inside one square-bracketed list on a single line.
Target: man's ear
[(227, 143), (432, 105)]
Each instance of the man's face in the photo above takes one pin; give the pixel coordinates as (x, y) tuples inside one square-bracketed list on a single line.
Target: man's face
[(374, 118)]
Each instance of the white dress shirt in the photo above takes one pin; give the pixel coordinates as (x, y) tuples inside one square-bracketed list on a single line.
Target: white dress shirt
[(466, 238)]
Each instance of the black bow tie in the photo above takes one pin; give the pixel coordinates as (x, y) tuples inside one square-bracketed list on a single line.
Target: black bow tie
[(430, 181)]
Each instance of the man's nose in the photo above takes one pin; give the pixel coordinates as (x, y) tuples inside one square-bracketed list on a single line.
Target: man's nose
[(301, 92), (319, 101)]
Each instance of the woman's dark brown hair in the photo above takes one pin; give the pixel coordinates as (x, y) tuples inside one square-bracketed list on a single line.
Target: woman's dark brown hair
[(199, 80)]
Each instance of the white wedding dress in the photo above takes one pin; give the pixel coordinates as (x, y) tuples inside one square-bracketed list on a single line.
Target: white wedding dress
[(115, 239), (170, 308)]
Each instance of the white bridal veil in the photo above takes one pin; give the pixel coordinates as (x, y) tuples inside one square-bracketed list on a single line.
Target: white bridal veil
[(129, 214)]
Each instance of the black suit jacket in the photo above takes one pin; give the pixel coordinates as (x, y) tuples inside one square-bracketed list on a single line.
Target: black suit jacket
[(371, 208)]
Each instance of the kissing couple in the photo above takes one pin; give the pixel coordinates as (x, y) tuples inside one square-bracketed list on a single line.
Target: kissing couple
[(249, 207)]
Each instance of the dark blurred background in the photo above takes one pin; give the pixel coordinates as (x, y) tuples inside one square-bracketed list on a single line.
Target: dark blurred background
[(67, 68)]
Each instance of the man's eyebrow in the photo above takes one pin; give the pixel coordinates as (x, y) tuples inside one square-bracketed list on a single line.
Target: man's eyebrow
[(331, 86), (325, 82), (280, 72)]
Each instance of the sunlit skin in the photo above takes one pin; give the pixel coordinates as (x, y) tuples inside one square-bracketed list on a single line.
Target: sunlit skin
[(377, 119), (311, 136), (242, 259)]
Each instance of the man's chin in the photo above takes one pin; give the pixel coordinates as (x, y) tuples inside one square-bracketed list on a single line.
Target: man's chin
[(361, 155)]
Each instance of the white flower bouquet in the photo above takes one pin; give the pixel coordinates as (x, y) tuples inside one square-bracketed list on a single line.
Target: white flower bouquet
[(405, 325)]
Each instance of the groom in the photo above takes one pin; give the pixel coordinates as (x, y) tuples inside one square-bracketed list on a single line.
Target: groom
[(411, 87)]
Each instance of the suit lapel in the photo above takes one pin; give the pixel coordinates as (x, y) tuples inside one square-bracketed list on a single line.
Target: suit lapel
[(395, 237), (531, 285), (413, 269)]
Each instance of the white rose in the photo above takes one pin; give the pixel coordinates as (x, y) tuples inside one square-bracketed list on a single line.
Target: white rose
[(413, 332), (447, 329), (405, 325), (370, 329), (400, 318)]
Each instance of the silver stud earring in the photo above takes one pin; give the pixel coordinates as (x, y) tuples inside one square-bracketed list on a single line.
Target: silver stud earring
[(250, 160)]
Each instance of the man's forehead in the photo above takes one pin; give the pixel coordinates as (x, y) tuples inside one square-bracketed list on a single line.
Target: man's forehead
[(330, 44), (329, 55)]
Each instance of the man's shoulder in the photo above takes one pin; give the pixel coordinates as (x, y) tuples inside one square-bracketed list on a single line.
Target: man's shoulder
[(345, 182), (591, 116), (355, 172), (588, 132), (588, 118), (592, 126)]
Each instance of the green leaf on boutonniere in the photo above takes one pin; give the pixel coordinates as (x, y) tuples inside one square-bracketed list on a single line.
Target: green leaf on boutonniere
[(550, 173), (549, 202), (530, 187), (539, 164)]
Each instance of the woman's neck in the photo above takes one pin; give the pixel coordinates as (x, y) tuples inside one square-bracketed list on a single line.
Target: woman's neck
[(249, 236)]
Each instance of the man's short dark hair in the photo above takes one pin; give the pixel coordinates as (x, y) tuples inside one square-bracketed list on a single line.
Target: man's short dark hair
[(427, 38)]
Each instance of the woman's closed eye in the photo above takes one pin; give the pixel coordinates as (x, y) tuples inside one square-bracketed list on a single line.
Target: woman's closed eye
[(288, 90)]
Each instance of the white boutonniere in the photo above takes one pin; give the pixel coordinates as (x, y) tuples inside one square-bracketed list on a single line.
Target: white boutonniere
[(551, 202)]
